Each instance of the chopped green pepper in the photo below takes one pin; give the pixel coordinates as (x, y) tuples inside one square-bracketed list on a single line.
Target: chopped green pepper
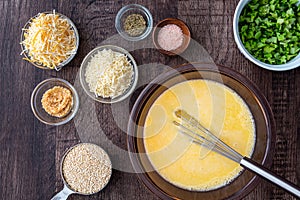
[(270, 30)]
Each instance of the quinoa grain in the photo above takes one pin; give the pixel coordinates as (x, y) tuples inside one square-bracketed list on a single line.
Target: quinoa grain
[(86, 168)]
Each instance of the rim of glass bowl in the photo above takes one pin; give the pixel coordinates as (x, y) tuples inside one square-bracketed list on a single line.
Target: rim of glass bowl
[(62, 64), (129, 7), (85, 86), (292, 64), (70, 115), (141, 102)]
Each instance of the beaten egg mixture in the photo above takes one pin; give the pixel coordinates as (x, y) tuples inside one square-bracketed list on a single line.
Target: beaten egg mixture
[(180, 161)]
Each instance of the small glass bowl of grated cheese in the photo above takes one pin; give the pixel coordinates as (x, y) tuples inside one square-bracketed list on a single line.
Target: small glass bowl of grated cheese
[(49, 40), (108, 74)]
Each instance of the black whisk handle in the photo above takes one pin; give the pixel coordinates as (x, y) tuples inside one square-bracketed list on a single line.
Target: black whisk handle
[(270, 176)]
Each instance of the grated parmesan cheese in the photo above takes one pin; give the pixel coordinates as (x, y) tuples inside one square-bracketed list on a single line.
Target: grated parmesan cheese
[(49, 40), (109, 74)]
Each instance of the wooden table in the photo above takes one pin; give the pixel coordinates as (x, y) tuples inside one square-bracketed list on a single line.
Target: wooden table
[(30, 151)]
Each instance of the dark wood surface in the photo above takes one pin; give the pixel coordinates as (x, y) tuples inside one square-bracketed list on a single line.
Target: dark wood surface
[(30, 151)]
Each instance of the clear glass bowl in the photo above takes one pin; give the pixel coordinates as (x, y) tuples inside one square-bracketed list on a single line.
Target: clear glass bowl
[(62, 64), (258, 105), (36, 104), (85, 85), (133, 9)]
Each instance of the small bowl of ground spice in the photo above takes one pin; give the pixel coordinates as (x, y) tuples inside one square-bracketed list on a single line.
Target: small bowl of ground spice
[(171, 36), (54, 101), (134, 22)]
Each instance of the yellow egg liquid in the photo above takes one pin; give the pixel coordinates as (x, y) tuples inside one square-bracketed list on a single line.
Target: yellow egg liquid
[(186, 164)]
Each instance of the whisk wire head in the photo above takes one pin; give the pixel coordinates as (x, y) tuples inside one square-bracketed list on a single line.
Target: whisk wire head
[(202, 136)]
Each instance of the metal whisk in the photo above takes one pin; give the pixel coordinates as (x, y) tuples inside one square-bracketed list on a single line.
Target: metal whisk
[(202, 136)]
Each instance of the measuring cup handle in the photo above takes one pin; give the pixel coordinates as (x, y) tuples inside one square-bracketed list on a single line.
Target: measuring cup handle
[(63, 195)]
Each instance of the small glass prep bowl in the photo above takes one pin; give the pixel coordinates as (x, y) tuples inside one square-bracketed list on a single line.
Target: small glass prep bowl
[(133, 9), (258, 105), (62, 64), (36, 104), (85, 85), (294, 63)]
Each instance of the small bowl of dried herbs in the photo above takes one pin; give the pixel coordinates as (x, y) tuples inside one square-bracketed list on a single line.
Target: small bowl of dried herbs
[(268, 33), (134, 22)]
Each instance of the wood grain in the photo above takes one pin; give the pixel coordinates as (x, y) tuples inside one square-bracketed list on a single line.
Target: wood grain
[(30, 151)]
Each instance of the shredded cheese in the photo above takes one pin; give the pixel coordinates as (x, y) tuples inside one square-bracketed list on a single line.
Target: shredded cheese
[(49, 40), (109, 73)]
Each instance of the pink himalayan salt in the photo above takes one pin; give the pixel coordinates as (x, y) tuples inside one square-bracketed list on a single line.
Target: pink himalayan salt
[(170, 37)]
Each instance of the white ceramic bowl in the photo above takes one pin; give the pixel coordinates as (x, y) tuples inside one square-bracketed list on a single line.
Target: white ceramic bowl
[(294, 63)]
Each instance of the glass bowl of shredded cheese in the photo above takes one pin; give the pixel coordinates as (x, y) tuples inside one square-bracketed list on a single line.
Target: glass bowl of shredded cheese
[(108, 74), (49, 40)]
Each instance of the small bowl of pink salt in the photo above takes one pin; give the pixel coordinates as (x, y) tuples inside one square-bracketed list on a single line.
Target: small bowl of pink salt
[(171, 36)]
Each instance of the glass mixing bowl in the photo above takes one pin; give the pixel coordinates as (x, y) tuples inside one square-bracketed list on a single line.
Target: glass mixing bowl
[(258, 105)]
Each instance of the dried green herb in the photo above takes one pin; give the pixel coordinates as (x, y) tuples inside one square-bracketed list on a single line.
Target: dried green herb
[(134, 24)]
